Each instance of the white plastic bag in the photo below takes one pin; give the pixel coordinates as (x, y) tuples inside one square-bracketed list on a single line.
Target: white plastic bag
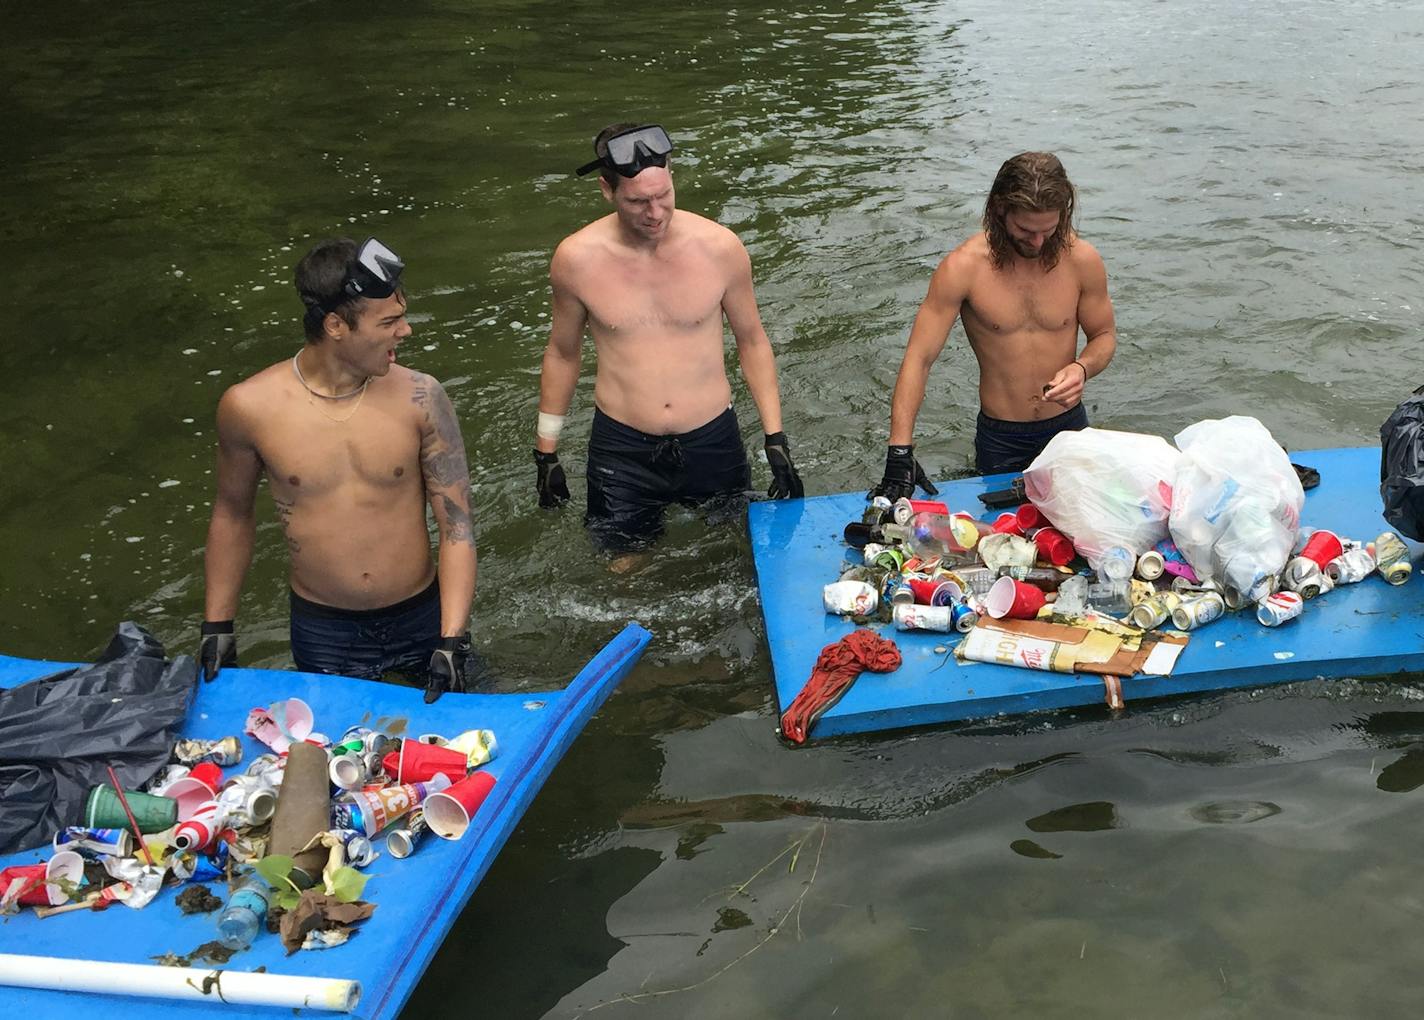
[(1236, 503), (1104, 489)]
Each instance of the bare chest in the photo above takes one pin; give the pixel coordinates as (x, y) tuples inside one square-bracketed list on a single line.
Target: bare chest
[(681, 295), (375, 451), (1024, 302)]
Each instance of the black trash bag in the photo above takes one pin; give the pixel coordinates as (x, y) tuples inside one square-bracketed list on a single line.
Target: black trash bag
[(60, 733), (1402, 467)]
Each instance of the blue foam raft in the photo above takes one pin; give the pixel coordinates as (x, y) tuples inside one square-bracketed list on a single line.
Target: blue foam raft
[(417, 899), (1365, 629)]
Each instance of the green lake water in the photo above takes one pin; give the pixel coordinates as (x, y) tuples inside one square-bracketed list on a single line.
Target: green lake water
[(1251, 175)]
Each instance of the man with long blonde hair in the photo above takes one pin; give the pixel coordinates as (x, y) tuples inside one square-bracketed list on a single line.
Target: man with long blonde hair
[(1023, 289)]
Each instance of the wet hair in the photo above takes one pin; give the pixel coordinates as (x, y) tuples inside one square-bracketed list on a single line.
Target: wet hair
[(1030, 182), (600, 149), (319, 277)]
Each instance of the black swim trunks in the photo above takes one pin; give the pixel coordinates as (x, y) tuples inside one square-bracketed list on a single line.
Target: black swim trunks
[(633, 476), (1003, 446), (367, 643)]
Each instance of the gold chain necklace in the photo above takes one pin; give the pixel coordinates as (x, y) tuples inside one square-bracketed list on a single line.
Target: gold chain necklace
[(359, 393)]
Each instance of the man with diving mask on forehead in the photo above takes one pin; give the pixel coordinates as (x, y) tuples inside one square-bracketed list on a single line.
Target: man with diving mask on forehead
[(652, 284)]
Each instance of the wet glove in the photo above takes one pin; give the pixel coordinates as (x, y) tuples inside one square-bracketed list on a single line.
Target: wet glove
[(785, 482), (217, 649), (902, 474), (447, 667), (553, 487)]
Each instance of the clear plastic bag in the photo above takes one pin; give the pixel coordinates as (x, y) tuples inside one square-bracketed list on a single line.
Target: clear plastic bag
[(1236, 504), (1105, 489)]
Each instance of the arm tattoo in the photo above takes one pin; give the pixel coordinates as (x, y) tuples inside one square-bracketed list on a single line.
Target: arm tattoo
[(442, 460), (459, 530)]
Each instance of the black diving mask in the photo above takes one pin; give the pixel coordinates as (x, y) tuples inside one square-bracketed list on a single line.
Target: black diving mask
[(633, 151)]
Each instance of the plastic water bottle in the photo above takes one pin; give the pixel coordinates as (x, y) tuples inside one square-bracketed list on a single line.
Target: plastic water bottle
[(1117, 564), (245, 913)]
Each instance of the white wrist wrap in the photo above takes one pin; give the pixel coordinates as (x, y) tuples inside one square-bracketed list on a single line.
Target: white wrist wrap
[(550, 425)]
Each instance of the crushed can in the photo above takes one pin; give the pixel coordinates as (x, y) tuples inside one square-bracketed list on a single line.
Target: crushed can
[(913, 617), (1198, 610), (1302, 576), (1277, 608), (1155, 610), (91, 844), (1350, 567), (1392, 558), (224, 752), (359, 851)]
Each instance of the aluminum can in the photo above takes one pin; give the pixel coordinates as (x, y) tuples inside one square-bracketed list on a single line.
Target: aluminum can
[(912, 617), (401, 843), (903, 595), (877, 511), (348, 770), (964, 616), (224, 752), (849, 598), (1392, 558), (1351, 567), (1151, 565), (359, 851), (1233, 597), (1274, 610), (1198, 610), (92, 844), (1154, 611), (248, 800), (1303, 576)]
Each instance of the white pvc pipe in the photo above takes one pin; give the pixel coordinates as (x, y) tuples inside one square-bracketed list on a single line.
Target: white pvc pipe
[(216, 987)]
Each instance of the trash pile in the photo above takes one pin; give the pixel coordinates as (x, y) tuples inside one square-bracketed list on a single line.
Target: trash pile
[(1118, 533), (287, 833)]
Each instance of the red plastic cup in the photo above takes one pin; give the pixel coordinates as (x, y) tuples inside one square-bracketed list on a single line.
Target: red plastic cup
[(1054, 546), (924, 590), (1007, 523), (24, 883), (417, 762), (1029, 517), (209, 773), (449, 812), (1013, 599), (1322, 547)]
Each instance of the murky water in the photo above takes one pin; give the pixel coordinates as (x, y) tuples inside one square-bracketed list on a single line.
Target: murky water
[(1250, 174)]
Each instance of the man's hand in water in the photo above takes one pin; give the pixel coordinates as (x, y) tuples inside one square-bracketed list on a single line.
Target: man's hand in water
[(218, 648), (1066, 388), (902, 474), (785, 482), (553, 487), (447, 667)]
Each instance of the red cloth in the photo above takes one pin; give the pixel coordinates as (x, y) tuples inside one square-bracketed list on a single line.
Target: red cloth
[(836, 669)]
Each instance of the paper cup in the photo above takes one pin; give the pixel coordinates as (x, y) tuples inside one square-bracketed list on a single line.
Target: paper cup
[(153, 813), (448, 813), (1013, 599), (66, 866), (416, 763)]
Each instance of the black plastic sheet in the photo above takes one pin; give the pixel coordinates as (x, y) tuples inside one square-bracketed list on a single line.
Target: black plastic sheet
[(60, 733), (1402, 467)]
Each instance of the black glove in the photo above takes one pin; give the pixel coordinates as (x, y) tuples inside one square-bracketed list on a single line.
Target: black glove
[(447, 667), (902, 474), (785, 482), (217, 649), (553, 487)]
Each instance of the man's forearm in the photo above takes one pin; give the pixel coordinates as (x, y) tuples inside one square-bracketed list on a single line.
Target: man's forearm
[(456, 570), (905, 404), (1097, 352), (226, 557), (759, 370), (557, 380)]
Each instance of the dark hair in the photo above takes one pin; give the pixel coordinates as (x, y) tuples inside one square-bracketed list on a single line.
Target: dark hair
[(1030, 182), (600, 149), (319, 277)]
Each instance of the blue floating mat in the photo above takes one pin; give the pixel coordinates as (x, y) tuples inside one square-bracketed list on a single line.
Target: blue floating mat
[(417, 899), (1364, 629)]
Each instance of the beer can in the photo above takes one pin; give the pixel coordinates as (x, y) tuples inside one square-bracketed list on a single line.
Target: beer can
[(94, 843), (877, 511), (401, 843), (359, 851), (1276, 609), (913, 617), (1198, 610), (224, 752), (1182, 586), (964, 616), (1233, 597), (849, 598), (1392, 558), (1151, 565), (349, 769), (903, 595), (1303, 576), (1154, 611), (1351, 567)]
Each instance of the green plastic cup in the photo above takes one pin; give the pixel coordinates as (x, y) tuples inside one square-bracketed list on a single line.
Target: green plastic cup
[(153, 813)]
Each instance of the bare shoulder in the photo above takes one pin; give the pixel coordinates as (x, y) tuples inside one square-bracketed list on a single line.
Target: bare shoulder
[(1084, 257), (243, 404), (958, 270), (583, 245), (420, 390), (704, 231)]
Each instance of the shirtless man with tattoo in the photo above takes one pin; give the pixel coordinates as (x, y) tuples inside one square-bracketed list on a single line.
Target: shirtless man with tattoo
[(353, 447), (652, 284), (1023, 288)]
